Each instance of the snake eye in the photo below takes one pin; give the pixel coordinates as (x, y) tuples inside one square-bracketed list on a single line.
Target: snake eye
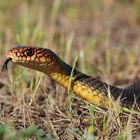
[(29, 52)]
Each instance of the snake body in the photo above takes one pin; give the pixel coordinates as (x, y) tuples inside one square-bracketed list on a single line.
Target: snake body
[(82, 85)]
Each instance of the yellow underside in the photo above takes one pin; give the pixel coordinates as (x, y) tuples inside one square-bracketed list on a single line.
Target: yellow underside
[(83, 90)]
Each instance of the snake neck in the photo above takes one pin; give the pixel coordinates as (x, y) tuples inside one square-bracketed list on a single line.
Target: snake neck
[(63, 74)]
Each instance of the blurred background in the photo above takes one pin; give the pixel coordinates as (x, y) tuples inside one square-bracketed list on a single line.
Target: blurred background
[(104, 34), (103, 30)]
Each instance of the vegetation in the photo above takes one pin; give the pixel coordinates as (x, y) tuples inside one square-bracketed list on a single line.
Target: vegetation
[(102, 37)]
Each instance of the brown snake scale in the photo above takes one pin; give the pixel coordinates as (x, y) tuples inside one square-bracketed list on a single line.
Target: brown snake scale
[(84, 86)]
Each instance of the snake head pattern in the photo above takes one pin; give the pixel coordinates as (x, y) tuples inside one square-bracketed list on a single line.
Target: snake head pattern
[(40, 59)]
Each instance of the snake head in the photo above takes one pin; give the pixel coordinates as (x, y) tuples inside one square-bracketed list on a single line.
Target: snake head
[(40, 59)]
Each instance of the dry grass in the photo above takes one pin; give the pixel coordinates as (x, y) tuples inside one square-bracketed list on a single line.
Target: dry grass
[(105, 35)]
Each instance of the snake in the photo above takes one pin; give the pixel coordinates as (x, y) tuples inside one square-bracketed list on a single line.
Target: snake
[(84, 86)]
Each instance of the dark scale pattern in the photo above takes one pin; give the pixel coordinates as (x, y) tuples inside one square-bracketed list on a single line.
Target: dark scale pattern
[(131, 94), (128, 96), (97, 84)]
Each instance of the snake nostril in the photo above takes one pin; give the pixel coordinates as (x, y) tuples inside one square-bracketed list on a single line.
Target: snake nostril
[(29, 52)]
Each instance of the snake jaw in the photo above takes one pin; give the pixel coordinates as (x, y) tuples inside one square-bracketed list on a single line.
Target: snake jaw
[(11, 56)]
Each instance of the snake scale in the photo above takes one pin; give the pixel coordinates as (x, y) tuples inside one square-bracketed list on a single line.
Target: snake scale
[(82, 85)]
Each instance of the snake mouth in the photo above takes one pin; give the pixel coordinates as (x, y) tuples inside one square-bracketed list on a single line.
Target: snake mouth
[(4, 67)]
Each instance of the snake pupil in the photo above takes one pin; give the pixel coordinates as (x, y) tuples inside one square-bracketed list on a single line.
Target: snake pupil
[(29, 52)]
